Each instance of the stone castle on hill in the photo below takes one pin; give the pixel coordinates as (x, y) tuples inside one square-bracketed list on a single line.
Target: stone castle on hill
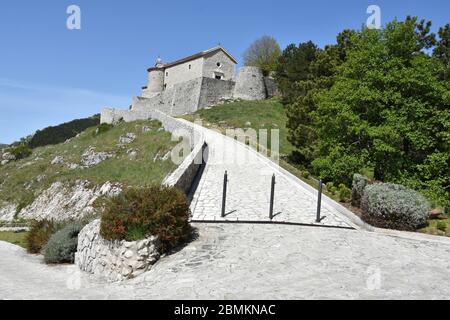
[(201, 80)]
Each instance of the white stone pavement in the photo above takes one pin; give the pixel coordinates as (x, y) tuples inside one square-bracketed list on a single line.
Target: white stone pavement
[(248, 195), (245, 261)]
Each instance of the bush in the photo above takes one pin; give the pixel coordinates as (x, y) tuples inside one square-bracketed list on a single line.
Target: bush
[(102, 128), (138, 213), (345, 194), (359, 184), (394, 207), (305, 174), (331, 188), (20, 151), (442, 226), (63, 244), (39, 234)]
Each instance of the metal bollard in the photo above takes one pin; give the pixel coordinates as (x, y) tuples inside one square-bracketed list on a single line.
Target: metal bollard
[(319, 202), (272, 197), (224, 196)]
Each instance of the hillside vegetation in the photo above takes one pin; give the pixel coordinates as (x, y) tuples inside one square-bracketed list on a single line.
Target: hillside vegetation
[(143, 160), (60, 133), (268, 114)]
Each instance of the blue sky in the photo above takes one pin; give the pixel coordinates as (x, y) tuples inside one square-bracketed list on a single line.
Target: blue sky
[(49, 74)]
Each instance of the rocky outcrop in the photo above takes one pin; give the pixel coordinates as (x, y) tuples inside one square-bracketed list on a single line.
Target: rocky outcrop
[(63, 202), (58, 160), (114, 260), (91, 158), (7, 212), (128, 138)]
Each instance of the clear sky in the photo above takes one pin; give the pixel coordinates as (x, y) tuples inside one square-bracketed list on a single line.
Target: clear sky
[(49, 74)]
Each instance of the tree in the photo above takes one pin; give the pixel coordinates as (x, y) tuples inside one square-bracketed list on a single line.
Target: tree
[(388, 110), (293, 67), (263, 53), (302, 74), (442, 50)]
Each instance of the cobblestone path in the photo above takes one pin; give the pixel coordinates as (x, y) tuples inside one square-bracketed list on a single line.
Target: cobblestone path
[(248, 196)]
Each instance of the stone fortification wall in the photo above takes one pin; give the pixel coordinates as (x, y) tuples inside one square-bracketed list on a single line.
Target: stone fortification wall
[(182, 98), (250, 84), (213, 91)]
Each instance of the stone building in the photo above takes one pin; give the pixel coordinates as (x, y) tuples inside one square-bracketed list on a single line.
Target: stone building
[(195, 82)]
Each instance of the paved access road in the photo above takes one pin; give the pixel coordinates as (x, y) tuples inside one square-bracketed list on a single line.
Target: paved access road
[(248, 197), (240, 261)]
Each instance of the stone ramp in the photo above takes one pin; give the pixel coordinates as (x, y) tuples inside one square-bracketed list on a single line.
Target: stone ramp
[(248, 197)]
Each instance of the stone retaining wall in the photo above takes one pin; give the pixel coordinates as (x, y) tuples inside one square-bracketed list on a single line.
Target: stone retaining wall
[(114, 260)]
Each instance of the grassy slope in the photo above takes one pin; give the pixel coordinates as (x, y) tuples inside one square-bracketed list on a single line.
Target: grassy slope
[(17, 238), (269, 114), (15, 176)]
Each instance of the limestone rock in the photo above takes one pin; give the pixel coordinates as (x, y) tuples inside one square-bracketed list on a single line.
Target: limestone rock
[(7, 212), (65, 202), (128, 138), (91, 158), (73, 166), (58, 160), (132, 153)]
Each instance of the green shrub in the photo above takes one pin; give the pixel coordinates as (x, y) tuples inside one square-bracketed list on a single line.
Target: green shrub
[(39, 234), (20, 151), (345, 194), (306, 174), (442, 225), (394, 207), (102, 128), (360, 182), (138, 213), (330, 185), (62, 245)]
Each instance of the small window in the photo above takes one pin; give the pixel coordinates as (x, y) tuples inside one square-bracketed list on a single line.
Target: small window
[(167, 74), (165, 86), (190, 67), (219, 64), (219, 77)]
